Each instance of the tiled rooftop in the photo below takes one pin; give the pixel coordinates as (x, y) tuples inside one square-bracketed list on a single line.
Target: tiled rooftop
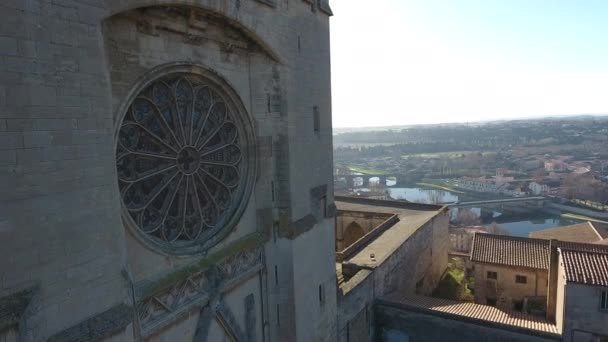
[(584, 232), (510, 251), (585, 267), (521, 251), (602, 242), (472, 311)]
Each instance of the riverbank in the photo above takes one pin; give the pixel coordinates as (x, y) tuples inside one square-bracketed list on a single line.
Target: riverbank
[(366, 170), (582, 218), (441, 187)]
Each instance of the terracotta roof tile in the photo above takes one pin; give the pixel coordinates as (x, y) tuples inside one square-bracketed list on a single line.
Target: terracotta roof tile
[(585, 267), (510, 251), (583, 247), (583, 232), (521, 251), (474, 311), (602, 242)]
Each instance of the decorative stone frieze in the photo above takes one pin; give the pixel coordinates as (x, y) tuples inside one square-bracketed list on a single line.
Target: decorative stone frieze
[(239, 264), (156, 309), (197, 290)]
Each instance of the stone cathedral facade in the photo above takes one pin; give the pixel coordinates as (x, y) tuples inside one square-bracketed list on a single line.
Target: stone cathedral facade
[(166, 171)]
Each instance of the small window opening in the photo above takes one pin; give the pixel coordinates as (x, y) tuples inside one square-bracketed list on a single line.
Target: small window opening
[(276, 275), (316, 119)]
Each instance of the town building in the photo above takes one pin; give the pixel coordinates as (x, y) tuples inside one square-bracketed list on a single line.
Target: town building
[(514, 273), (166, 171), (480, 185), (461, 239), (509, 270), (575, 291), (582, 296), (538, 188), (556, 165)]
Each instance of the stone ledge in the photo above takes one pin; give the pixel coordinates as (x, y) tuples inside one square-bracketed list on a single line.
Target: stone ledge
[(270, 3), (103, 325), (12, 307), (299, 227), (325, 8), (318, 191), (148, 288)]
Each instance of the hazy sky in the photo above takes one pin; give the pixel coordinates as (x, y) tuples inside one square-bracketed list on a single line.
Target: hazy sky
[(400, 62)]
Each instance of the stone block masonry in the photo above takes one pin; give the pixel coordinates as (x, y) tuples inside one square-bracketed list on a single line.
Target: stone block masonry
[(67, 70)]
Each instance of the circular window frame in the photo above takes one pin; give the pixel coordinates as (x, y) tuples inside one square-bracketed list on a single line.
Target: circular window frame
[(249, 157)]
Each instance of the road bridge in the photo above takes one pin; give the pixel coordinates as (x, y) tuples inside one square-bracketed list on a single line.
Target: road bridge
[(497, 201)]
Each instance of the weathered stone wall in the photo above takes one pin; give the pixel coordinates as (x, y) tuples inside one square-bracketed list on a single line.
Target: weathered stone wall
[(367, 221), (422, 259), (314, 283), (355, 297), (66, 69), (560, 295), (133, 53), (59, 214), (421, 327), (507, 290), (582, 317)]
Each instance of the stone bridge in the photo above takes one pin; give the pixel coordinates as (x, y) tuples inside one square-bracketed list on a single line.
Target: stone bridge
[(534, 200), (350, 179), (516, 205)]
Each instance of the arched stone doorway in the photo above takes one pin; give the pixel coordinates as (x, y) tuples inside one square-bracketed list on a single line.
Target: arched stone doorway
[(352, 233)]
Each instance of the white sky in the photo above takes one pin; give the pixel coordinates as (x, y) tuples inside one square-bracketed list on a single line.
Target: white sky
[(399, 62)]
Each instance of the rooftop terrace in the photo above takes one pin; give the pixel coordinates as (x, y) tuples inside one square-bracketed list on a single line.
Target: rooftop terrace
[(409, 217)]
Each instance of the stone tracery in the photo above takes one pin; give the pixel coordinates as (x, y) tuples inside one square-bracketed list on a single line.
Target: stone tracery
[(179, 160)]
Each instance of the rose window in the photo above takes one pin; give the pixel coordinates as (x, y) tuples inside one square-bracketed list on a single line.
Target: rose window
[(180, 160)]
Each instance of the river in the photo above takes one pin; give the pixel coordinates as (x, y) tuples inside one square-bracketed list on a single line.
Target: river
[(517, 225)]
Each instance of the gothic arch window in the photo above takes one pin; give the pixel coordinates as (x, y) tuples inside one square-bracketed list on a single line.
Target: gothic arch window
[(352, 233), (182, 162)]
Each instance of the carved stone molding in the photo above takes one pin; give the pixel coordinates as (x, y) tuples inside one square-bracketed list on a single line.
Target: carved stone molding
[(224, 317), (155, 310), (194, 26), (196, 291), (240, 263)]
